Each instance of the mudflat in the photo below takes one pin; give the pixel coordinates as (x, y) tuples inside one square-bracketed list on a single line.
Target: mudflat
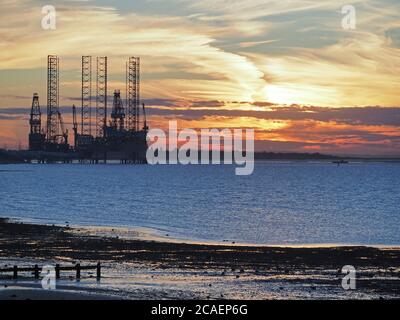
[(378, 269)]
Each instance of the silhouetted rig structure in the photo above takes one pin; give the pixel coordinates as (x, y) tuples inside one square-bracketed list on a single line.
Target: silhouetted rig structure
[(95, 138)]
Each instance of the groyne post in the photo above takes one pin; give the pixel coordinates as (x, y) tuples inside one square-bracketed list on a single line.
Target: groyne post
[(36, 271), (98, 271), (57, 271)]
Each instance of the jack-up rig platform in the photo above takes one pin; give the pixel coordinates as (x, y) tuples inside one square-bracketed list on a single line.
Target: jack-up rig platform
[(96, 138)]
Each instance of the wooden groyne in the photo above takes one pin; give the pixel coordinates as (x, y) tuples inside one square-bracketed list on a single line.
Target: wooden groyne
[(58, 268)]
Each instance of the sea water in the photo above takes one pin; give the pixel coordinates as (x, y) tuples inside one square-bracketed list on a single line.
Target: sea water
[(280, 203)]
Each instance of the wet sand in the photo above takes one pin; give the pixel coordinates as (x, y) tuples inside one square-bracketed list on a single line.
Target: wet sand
[(24, 293), (311, 272)]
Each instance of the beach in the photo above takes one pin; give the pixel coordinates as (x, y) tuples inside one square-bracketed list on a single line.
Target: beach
[(135, 268)]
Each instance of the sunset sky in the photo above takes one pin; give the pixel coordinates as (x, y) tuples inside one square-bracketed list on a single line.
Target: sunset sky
[(285, 68)]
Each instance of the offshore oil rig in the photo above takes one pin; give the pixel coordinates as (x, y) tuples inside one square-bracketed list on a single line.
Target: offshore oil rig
[(96, 138)]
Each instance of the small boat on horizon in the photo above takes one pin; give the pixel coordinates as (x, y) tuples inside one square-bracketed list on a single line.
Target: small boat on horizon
[(339, 162)]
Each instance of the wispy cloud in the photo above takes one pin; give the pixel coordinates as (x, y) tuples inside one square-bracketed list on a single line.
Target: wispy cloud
[(237, 62)]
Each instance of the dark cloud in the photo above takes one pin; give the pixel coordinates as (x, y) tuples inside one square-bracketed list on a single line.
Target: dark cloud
[(352, 115), (9, 96), (27, 110), (167, 102), (12, 117), (263, 104), (373, 115), (349, 149)]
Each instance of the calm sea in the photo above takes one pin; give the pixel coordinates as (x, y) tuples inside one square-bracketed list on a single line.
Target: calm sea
[(281, 203)]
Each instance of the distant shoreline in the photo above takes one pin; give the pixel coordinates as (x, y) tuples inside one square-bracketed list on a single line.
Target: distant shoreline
[(16, 157), (310, 161)]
